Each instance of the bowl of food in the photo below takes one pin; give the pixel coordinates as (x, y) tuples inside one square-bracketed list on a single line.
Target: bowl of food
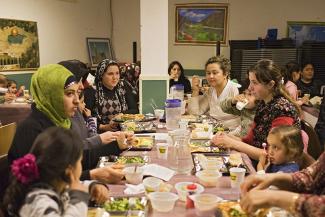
[(152, 184), (205, 204), (163, 201), (208, 178), (183, 188)]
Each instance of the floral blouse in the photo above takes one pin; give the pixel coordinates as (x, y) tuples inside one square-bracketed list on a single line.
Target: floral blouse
[(310, 183), (266, 113)]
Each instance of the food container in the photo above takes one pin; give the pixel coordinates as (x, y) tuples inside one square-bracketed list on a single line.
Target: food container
[(163, 201), (182, 190), (152, 184), (126, 206), (205, 204), (208, 178), (133, 175)]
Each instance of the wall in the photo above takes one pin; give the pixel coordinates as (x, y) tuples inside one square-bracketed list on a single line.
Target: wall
[(63, 26), (248, 19)]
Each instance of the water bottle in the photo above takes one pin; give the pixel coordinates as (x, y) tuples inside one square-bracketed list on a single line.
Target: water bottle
[(173, 113)]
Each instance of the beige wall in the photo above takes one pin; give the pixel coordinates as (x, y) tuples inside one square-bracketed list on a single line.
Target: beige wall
[(63, 25)]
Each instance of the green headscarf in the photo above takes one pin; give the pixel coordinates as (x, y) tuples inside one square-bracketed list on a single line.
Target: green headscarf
[(47, 89)]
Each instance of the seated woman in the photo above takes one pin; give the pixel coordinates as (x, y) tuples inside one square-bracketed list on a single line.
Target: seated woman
[(301, 193), (275, 107), (131, 77), (176, 76), (53, 108), (307, 84), (217, 73), (112, 96)]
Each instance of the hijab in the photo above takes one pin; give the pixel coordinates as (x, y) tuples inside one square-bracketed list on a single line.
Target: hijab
[(47, 88)]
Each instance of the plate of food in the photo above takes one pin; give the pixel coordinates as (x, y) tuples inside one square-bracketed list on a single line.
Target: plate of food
[(229, 161), (233, 209), (125, 160), (127, 206), (204, 146), (138, 127), (133, 117), (143, 143)]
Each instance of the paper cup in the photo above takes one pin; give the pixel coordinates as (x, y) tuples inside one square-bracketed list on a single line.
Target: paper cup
[(159, 113), (237, 176), (241, 104), (162, 150)]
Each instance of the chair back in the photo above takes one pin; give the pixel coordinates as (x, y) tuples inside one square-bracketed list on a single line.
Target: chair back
[(314, 147), (7, 133), (4, 174)]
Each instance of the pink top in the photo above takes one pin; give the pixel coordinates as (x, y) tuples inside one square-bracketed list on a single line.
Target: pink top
[(292, 89)]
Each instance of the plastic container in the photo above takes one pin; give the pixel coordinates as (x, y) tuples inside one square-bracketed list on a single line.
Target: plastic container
[(173, 113), (152, 184), (177, 91), (205, 204), (163, 201), (208, 178), (182, 191), (132, 175)]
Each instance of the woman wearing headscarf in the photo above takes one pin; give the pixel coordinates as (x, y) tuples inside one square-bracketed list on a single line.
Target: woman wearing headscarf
[(131, 77), (112, 95), (55, 94)]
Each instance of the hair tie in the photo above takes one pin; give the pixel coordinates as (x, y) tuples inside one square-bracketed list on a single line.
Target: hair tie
[(25, 169)]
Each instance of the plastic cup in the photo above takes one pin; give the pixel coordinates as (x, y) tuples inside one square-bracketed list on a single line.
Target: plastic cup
[(237, 176), (151, 184), (183, 125), (132, 175), (162, 150), (159, 113), (241, 104)]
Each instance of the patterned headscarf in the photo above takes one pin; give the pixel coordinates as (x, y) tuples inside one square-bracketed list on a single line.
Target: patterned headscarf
[(101, 99), (47, 88)]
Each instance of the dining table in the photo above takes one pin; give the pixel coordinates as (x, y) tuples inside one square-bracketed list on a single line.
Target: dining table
[(223, 188)]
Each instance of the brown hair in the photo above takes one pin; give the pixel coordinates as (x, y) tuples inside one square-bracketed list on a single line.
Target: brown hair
[(266, 71), (290, 137), (223, 62), (3, 80)]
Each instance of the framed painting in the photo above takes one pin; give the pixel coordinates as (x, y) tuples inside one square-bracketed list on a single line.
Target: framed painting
[(19, 48), (306, 31), (98, 50), (201, 24)]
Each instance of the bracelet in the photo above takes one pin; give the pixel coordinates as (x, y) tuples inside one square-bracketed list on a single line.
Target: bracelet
[(293, 203)]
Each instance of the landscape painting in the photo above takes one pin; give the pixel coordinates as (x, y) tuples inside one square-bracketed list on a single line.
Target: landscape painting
[(201, 24), (306, 31), (19, 48)]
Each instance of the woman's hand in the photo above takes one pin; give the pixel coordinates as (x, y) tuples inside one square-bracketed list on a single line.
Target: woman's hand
[(86, 112), (125, 140), (99, 193), (222, 140), (108, 174), (112, 126), (195, 85), (9, 97), (257, 199), (240, 97), (108, 136)]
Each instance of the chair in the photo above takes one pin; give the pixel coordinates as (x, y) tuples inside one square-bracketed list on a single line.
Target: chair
[(4, 174), (7, 133), (314, 147)]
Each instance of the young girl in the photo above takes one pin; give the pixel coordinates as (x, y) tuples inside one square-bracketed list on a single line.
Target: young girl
[(46, 181), (90, 121), (12, 88), (285, 146)]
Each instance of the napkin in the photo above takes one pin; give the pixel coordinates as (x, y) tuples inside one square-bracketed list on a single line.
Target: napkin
[(158, 171), (134, 189)]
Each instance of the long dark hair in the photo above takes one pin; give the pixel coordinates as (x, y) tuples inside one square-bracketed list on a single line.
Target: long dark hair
[(289, 69), (266, 71), (172, 64), (54, 149)]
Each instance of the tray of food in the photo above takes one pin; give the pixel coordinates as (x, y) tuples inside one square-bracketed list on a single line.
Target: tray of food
[(125, 160), (227, 160), (133, 117), (204, 146), (143, 143), (122, 206), (233, 209), (138, 127)]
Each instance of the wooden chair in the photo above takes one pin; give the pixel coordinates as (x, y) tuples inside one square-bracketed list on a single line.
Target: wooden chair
[(7, 133), (314, 147)]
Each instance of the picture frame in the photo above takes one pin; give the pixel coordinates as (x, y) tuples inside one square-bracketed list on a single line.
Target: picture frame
[(301, 31), (201, 24), (19, 47), (98, 50)]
